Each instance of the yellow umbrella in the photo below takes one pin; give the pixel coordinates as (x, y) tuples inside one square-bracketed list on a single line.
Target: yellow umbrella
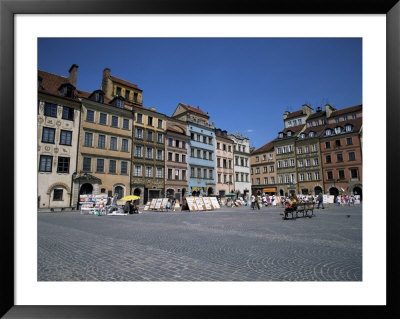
[(130, 197)]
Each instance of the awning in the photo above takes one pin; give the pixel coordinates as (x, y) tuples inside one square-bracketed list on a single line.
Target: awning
[(269, 190)]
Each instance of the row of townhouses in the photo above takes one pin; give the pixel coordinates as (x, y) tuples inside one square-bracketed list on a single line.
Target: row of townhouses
[(108, 142), (316, 152)]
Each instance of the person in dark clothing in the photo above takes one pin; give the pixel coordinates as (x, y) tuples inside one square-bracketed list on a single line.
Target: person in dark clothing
[(133, 208), (320, 200), (127, 207)]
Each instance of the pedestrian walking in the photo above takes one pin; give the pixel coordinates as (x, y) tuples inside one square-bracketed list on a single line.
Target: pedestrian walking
[(253, 199), (320, 200)]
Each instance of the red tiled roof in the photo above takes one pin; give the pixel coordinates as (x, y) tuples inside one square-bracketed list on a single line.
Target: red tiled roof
[(316, 115), (265, 148), (295, 114), (350, 109), (51, 82), (85, 95), (294, 129), (118, 80), (314, 129), (193, 109)]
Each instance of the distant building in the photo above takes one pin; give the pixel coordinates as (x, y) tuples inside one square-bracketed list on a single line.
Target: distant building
[(224, 162), (241, 168), (176, 161), (263, 171), (58, 130), (201, 149)]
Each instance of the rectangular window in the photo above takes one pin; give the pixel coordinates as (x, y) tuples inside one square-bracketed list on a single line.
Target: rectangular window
[(339, 157), (329, 175), (63, 165), (170, 141), (45, 163), (308, 163), (301, 164), (50, 109), (176, 157), (88, 139), (204, 155), (139, 133), (149, 171), (114, 121), (292, 162), (87, 164), (192, 152), (65, 137), (170, 156), (101, 141), (315, 161), (337, 142), (159, 123), (316, 175), (138, 151), (327, 144), (199, 173), (211, 174), (230, 164), (328, 159), (299, 150), (150, 136), (135, 96), (309, 177), (354, 173), (314, 147), (192, 172), (183, 175), (159, 173), (150, 120), (285, 163), (349, 141), (103, 118), (58, 194), (118, 91), (159, 155), (352, 156), (89, 115), (204, 173), (307, 149), (287, 179), (341, 174), (125, 124), (127, 93), (198, 154), (68, 113), (258, 181), (149, 153), (257, 170), (224, 147), (113, 143), (280, 179), (230, 149), (204, 139), (210, 156), (271, 169), (183, 144), (124, 146), (169, 173), (139, 118), (265, 180), (279, 163), (210, 140), (183, 158), (138, 170), (301, 177), (48, 135), (219, 178), (100, 165), (257, 158), (159, 138)]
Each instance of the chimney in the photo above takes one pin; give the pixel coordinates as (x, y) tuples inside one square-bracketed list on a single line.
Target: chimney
[(106, 85), (318, 109), (73, 72), (285, 115), (307, 110), (329, 109)]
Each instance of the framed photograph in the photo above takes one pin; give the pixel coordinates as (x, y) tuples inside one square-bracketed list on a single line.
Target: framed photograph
[(23, 22)]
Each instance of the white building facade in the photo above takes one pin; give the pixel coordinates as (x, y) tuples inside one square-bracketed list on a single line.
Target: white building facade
[(241, 165)]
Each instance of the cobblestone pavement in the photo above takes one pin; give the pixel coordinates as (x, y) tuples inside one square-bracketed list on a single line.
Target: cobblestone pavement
[(236, 244)]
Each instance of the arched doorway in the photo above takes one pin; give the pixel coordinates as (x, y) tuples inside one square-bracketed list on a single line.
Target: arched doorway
[(195, 193), (210, 191), (357, 191), (86, 189), (119, 191), (170, 192), (183, 192), (334, 191), (317, 190), (281, 192)]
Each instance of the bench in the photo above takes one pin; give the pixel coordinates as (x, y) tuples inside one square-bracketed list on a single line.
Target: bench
[(306, 209)]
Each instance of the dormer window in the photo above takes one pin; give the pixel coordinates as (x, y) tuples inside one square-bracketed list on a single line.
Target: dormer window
[(349, 127), (66, 90), (338, 129), (280, 135), (311, 134), (118, 101), (302, 135), (98, 96), (289, 133), (328, 132)]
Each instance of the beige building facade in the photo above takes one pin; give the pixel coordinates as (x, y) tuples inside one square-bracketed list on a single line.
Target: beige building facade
[(224, 162), (58, 119)]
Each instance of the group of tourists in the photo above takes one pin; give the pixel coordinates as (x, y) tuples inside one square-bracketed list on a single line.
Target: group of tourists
[(345, 200), (130, 207)]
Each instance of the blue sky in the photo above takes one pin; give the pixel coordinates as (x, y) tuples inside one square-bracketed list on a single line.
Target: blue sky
[(245, 84)]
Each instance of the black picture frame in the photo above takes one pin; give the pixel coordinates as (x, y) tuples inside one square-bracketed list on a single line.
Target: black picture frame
[(8, 10)]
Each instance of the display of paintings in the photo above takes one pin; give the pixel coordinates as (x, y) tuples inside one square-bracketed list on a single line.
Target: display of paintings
[(177, 206), (207, 203), (164, 203), (214, 202), (153, 203), (158, 203), (147, 206), (199, 203), (191, 203)]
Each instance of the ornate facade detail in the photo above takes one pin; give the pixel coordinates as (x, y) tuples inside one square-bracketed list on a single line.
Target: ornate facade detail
[(58, 184)]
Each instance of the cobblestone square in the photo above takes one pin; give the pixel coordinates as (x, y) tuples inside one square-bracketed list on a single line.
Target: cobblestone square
[(230, 244)]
